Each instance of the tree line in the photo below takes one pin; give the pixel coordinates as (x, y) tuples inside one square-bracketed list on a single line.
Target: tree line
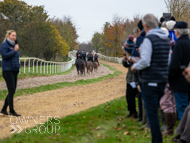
[(114, 33), (109, 41), (38, 35)]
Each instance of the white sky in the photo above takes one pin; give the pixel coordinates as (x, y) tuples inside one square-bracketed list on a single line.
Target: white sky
[(90, 15)]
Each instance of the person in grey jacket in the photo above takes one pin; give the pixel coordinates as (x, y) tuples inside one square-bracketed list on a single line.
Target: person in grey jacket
[(153, 63)]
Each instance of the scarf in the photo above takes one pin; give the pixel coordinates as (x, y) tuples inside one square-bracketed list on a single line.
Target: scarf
[(11, 42)]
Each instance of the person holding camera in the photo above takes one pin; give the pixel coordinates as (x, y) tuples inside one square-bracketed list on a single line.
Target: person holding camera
[(10, 66), (180, 60), (131, 90)]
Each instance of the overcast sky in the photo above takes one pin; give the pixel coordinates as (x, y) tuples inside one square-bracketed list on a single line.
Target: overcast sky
[(90, 15)]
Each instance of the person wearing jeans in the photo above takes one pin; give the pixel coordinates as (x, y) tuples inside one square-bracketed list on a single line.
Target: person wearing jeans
[(153, 63), (10, 66), (179, 60)]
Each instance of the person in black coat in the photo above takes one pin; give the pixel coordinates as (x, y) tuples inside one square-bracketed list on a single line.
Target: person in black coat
[(10, 66), (90, 57), (78, 54), (83, 55), (179, 60), (96, 59)]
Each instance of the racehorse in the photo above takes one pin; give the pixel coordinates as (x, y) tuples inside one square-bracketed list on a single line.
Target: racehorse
[(89, 67), (95, 66), (79, 66), (83, 66)]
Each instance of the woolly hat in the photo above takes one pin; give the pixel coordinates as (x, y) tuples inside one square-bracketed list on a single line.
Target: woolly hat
[(165, 30), (170, 24), (181, 25), (140, 25), (129, 44), (172, 18)]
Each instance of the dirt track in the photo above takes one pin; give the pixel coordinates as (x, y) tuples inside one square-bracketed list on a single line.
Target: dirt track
[(71, 77), (64, 101)]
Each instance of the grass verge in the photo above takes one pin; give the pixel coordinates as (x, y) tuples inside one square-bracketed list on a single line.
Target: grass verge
[(101, 124), (59, 85)]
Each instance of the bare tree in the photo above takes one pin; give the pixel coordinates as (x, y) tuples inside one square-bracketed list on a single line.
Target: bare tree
[(178, 8)]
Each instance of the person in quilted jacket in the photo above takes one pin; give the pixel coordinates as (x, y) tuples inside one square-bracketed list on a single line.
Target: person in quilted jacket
[(10, 66)]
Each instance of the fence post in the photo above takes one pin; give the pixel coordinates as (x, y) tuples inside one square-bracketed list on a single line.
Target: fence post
[(37, 66), (44, 67), (41, 67), (33, 65), (47, 67), (55, 67), (24, 66), (50, 68), (29, 65)]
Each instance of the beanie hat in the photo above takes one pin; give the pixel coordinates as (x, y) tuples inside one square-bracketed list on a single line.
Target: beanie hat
[(140, 25), (170, 24), (172, 18), (165, 30), (129, 44)]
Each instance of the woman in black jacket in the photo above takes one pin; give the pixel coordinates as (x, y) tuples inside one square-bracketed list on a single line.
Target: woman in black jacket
[(10, 66)]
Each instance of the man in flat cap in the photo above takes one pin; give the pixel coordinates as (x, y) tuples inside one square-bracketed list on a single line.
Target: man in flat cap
[(179, 61)]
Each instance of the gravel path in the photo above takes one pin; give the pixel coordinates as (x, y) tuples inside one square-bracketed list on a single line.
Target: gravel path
[(71, 77)]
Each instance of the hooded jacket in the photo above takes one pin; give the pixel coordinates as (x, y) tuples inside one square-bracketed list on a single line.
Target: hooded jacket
[(154, 54), (10, 57)]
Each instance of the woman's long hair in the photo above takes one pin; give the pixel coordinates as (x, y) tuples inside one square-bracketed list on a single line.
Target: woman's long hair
[(8, 33)]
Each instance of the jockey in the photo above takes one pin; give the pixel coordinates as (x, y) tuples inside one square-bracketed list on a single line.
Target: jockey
[(90, 57), (78, 54), (83, 55), (96, 59)]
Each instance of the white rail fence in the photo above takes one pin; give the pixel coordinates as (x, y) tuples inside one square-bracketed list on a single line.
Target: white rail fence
[(36, 65), (110, 59)]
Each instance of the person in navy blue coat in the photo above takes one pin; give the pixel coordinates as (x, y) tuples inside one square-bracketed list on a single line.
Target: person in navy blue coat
[(10, 67), (90, 57), (180, 59)]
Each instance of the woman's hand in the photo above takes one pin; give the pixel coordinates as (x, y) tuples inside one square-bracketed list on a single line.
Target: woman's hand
[(16, 47)]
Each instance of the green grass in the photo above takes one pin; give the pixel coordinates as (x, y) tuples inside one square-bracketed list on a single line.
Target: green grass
[(101, 124), (110, 68), (59, 85), (28, 74)]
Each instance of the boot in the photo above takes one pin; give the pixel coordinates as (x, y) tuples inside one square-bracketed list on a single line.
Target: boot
[(14, 114), (164, 126), (145, 126), (170, 122), (144, 119)]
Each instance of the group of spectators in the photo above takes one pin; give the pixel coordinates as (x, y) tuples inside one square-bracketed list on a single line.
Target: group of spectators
[(158, 62)]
